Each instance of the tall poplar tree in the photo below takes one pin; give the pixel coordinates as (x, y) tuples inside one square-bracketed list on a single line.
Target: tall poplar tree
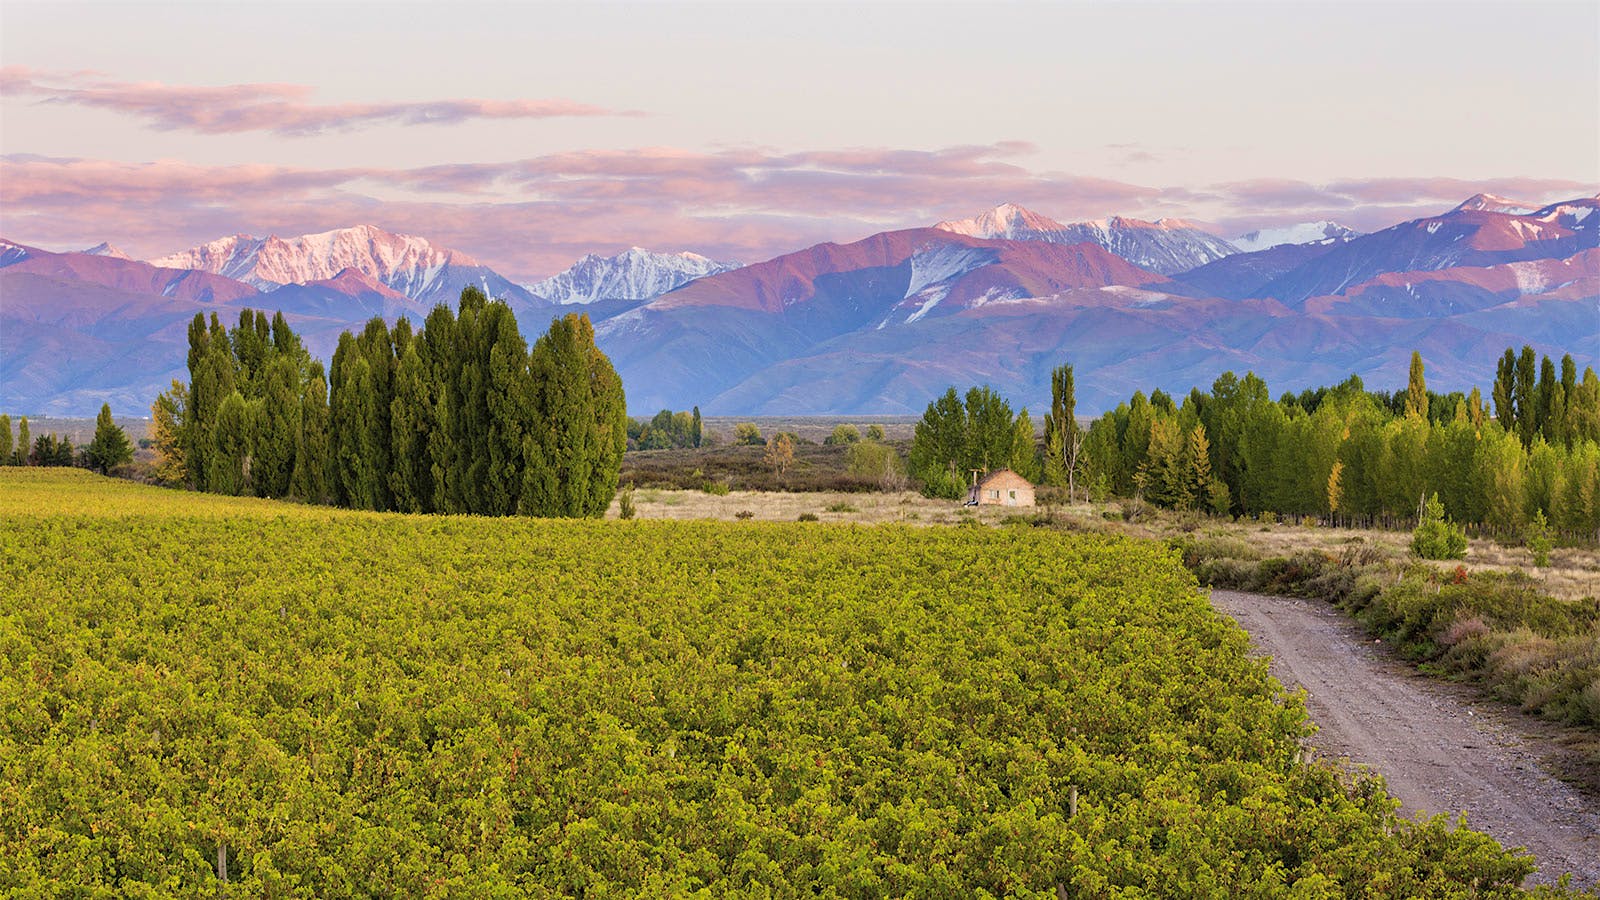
[(5, 440), (1527, 395), (1545, 396), (24, 440), (1416, 389), (1060, 425), (1505, 390)]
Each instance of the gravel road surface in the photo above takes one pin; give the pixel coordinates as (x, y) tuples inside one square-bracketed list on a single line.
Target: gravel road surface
[(1439, 748)]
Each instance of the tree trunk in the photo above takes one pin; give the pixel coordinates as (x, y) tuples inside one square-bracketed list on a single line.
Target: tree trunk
[(222, 867)]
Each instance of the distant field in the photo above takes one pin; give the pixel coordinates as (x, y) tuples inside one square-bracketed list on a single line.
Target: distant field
[(355, 703)]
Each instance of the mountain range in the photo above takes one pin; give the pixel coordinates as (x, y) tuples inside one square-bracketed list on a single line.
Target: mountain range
[(878, 325)]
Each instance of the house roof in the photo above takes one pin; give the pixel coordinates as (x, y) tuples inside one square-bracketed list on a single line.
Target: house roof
[(1003, 478)]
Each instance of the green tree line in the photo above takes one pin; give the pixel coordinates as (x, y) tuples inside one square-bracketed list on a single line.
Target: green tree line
[(460, 416), (108, 449), (1347, 452), (667, 430)]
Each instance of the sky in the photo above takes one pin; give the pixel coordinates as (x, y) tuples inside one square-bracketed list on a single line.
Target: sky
[(527, 135)]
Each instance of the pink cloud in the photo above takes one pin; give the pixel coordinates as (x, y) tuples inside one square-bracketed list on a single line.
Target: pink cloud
[(530, 217), (282, 109)]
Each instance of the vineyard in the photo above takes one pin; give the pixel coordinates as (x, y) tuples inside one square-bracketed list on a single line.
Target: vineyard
[(329, 703)]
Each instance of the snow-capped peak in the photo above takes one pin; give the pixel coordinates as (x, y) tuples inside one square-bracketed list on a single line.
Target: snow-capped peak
[(1492, 203), (1302, 233), (1007, 221), (633, 274), (105, 249), (403, 262)]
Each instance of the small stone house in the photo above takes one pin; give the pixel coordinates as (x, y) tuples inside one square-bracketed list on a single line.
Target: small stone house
[(1002, 487)]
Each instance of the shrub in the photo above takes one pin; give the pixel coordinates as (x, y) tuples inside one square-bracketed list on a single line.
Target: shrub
[(807, 517), (843, 434), (1537, 536), (1136, 510), (625, 503), (840, 507), (717, 488), (1437, 537), (744, 514)]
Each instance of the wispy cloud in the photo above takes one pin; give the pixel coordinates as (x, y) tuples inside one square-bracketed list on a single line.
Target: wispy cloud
[(281, 109), (530, 217)]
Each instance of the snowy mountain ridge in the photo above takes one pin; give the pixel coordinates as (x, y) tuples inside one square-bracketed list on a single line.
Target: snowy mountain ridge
[(1165, 246), (104, 248), (411, 265), (1494, 203), (403, 262), (634, 274), (1302, 233)]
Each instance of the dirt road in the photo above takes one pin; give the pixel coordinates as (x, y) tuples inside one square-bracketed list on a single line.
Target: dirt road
[(1439, 749)]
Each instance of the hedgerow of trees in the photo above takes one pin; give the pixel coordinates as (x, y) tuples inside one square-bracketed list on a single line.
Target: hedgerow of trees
[(667, 430), (1350, 454), (459, 417), (108, 449)]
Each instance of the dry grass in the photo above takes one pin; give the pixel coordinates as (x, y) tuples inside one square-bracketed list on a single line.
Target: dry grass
[(1573, 573), (766, 506)]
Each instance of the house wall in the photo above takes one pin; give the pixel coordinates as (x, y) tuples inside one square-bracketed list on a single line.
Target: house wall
[(1006, 492)]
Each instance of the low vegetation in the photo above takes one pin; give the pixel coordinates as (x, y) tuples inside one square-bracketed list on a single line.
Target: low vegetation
[(324, 703)]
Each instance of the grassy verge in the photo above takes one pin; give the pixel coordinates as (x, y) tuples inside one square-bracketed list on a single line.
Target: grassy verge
[(1496, 629)]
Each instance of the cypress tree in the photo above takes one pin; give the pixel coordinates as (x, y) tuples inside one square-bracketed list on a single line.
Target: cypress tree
[(1416, 389), (696, 433), (508, 395), (469, 404), (410, 422), (211, 383), (357, 481), (109, 448), (6, 454), (436, 347), (251, 341), (312, 461), (228, 464), (376, 345), (273, 466), (579, 426)]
